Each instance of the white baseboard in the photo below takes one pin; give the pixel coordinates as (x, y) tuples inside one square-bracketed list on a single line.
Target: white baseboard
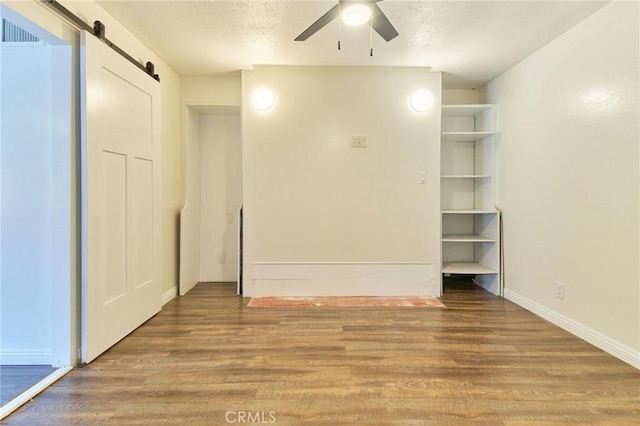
[(611, 346), (290, 279), (14, 356), (168, 295)]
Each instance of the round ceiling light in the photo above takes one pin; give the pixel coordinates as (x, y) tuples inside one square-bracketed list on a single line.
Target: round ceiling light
[(422, 100), (356, 14), (262, 99)]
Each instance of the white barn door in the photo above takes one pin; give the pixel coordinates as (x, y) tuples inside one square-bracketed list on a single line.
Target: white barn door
[(120, 196)]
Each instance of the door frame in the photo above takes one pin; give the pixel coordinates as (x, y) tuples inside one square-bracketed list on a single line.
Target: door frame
[(190, 253)]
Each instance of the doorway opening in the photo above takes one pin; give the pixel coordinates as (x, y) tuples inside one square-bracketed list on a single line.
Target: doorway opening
[(35, 209), (210, 221)]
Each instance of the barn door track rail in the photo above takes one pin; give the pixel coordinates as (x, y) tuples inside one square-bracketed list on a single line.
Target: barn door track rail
[(99, 31)]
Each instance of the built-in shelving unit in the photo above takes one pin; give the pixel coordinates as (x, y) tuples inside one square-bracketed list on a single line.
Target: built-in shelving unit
[(470, 221), (471, 238), (465, 136), (466, 268), (465, 176)]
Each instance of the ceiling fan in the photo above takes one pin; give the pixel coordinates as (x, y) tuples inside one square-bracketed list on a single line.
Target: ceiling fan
[(379, 21)]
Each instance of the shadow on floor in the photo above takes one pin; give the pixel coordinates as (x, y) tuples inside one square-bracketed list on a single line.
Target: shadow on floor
[(458, 283)]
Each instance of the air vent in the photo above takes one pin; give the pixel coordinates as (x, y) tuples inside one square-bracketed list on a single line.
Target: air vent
[(12, 33)]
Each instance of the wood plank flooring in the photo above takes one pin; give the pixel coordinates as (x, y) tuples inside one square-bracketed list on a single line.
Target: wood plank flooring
[(15, 379), (209, 359)]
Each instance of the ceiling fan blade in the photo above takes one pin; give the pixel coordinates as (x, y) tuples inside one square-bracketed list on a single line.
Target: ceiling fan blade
[(320, 23), (381, 23)]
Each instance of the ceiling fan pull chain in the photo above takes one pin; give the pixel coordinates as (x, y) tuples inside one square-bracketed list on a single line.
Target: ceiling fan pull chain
[(371, 34), (339, 24)]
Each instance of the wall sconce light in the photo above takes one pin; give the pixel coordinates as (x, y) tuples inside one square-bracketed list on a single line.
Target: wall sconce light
[(422, 100), (262, 99)]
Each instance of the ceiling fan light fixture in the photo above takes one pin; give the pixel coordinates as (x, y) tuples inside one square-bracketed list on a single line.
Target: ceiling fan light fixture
[(356, 14)]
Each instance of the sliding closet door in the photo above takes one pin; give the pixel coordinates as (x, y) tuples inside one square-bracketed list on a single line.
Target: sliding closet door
[(120, 196)]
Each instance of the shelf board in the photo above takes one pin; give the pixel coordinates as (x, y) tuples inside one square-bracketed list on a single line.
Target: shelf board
[(469, 211), (464, 110), (465, 176), (465, 136), (466, 268), (455, 238)]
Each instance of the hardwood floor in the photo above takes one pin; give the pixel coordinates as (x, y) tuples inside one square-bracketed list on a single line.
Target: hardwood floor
[(209, 359), (15, 379)]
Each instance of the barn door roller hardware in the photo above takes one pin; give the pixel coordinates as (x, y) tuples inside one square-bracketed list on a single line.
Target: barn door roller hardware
[(99, 31)]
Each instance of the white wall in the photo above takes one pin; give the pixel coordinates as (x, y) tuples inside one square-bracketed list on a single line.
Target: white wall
[(57, 350), (310, 197), (190, 212), (568, 179), (222, 90), (172, 184), (38, 20), (27, 228), (461, 96), (221, 196)]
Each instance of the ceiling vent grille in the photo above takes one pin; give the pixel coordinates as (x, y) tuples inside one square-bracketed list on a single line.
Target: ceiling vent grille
[(12, 33)]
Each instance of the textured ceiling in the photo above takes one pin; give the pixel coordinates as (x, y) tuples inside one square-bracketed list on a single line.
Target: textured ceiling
[(470, 41)]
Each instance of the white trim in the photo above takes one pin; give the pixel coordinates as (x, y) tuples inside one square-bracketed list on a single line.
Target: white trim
[(611, 346), (34, 390), (340, 270), (287, 279), (168, 296), (15, 356)]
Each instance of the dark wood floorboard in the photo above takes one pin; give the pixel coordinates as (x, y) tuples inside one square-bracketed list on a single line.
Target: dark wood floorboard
[(15, 379), (481, 360)]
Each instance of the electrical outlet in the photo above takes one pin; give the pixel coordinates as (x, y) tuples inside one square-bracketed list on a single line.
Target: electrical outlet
[(559, 290), (358, 141), (422, 178), (221, 258)]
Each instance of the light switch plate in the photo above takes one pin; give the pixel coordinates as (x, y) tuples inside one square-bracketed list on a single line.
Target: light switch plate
[(358, 141)]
